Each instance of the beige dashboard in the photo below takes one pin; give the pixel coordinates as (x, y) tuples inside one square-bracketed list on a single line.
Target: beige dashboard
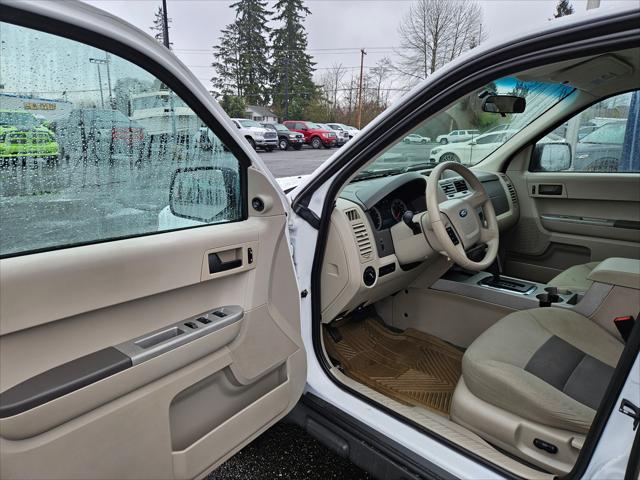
[(360, 266)]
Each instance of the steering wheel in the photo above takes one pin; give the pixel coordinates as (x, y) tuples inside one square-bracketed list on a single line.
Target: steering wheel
[(455, 221)]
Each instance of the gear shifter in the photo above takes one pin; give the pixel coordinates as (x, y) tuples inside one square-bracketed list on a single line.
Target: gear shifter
[(496, 270), (407, 218), (496, 280)]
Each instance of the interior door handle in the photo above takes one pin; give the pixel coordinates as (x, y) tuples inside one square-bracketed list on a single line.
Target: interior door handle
[(216, 265)]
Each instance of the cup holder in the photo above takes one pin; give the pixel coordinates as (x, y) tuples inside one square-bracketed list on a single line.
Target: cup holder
[(558, 291), (552, 296)]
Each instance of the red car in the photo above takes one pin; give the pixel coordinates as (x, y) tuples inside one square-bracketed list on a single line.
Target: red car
[(313, 134)]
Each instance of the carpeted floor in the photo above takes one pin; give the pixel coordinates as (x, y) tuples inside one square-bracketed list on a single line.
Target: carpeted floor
[(411, 367)]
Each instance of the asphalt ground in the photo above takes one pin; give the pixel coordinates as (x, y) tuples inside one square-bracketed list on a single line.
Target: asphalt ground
[(285, 451), (303, 162)]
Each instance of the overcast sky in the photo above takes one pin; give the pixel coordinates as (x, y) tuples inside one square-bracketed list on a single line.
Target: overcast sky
[(337, 28)]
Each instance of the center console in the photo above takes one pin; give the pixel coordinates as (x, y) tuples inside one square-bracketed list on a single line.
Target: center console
[(615, 291), (509, 292)]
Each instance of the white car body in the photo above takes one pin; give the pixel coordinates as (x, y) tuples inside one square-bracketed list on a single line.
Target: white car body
[(262, 137), (457, 136), (617, 437), (415, 138), (472, 151)]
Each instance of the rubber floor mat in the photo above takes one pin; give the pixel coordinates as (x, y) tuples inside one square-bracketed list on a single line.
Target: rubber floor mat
[(411, 367)]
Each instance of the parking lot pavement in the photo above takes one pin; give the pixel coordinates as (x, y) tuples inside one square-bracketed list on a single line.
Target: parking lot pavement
[(285, 451), (288, 163), (302, 162)]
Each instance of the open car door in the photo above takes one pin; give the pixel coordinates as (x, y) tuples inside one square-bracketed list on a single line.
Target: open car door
[(149, 309)]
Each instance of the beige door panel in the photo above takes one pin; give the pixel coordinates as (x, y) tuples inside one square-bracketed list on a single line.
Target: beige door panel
[(182, 412), (583, 222)]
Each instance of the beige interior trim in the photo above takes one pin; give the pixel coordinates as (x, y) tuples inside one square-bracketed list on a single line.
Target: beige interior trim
[(345, 261), (61, 305), (456, 319), (624, 272), (513, 433), (444, 427)]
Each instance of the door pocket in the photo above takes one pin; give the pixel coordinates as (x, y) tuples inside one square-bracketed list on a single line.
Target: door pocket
[(191, 414)]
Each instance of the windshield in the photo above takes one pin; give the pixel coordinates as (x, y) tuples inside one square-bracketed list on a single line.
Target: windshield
[(608, 133), (465, 133), (279, 126), (313, 126), (18, 119), (250, 123)]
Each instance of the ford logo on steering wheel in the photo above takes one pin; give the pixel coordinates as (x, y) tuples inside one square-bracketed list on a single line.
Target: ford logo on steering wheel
[(463, 213)]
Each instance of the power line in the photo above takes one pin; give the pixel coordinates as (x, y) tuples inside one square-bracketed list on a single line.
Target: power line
[(315, 68), (354, 49)]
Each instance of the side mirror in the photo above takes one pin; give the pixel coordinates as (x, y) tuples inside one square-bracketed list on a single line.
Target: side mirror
[(204, 194), (503, 104), (304, 128), (551, 157)]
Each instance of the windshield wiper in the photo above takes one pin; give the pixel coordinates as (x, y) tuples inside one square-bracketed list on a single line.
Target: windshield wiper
[(369, 174), (419, 166)]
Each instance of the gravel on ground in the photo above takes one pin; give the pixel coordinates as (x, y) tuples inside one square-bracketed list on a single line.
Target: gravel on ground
[(286, 451)]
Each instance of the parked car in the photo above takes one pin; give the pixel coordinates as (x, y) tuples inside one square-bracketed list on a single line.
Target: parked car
[(314, 135), (24, 137), (368, 302), (415, 138), (600, 150), (342, 136), (104, 135), (286, 138), (471, 151), (257, 135), (457, 136)]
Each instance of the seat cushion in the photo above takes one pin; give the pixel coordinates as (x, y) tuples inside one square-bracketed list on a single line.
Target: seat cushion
[(574, 278), (548, 365)]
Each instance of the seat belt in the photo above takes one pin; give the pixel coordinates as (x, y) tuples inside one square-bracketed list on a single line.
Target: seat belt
[(625, 325)]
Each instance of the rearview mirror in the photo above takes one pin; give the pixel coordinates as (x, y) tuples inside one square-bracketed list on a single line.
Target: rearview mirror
[(205, 194), (503, 104), (551, 157)]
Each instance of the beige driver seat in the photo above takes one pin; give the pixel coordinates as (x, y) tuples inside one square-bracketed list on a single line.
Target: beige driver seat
[(531, 384)]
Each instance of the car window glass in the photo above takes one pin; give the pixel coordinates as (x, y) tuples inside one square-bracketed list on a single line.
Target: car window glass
[(488, 138), (602, 138), (448, 142), (91, 146)]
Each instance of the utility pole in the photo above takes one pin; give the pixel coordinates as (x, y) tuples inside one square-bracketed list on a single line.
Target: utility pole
[(165, 25), (98, 62), (359, 119), (107, 62)]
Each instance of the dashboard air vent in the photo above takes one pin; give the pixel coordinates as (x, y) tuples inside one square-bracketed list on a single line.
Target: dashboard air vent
[(362, 239), (512, 190), (352, 215), (460, 186), (448, 188)]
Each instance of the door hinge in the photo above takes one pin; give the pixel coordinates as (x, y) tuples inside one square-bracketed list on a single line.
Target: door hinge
[(630, 410), (307, 215)]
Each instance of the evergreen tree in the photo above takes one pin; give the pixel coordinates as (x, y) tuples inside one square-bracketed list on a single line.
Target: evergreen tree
[(233, 106), (226, 55), (563, 8), (292, 66), (241, 58), (157, 26)]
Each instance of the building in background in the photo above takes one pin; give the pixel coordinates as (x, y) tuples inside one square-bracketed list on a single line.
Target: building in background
[(261, 114), (44, 108)]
